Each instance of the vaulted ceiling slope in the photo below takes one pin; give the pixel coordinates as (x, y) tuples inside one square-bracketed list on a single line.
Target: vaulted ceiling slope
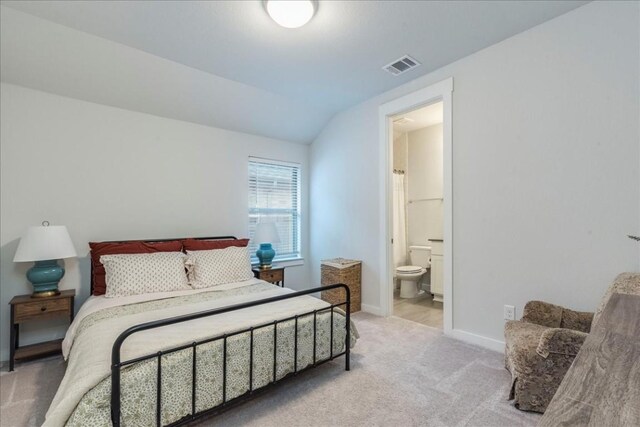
[(227, 64)]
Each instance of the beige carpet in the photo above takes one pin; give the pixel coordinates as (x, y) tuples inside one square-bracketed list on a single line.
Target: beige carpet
[(403, 374)]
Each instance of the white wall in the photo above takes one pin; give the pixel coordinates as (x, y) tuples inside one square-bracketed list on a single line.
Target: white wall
[(546, 170), (110, 174), (425, 180), (400, 150)]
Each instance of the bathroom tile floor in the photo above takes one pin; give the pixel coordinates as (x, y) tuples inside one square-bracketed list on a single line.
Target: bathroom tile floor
[(422, 309)]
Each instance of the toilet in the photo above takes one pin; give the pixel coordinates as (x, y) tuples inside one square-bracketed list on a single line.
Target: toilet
[(411, 275)]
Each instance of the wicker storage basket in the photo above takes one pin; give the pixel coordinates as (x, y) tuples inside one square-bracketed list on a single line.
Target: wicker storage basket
[(340, 270)]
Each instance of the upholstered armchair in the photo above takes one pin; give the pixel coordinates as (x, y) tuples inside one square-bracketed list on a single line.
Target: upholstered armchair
[(540, 347)]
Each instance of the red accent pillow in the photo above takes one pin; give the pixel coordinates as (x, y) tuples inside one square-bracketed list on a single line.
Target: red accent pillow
[(205, 245), (133, 247)]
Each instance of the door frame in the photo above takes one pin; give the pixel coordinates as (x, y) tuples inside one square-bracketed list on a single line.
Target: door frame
[(441, 91)]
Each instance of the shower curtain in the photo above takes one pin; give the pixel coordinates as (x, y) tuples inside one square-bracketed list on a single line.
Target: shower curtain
[(399, 222)]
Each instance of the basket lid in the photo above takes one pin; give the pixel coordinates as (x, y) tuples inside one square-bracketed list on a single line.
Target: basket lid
[(340, 262)]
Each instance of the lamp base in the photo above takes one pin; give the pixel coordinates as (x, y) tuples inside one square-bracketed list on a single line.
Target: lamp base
[(45, 294), (45, 276), (265, 254)]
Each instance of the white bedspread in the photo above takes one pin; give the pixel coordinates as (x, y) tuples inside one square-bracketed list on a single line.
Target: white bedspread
[(97, 303)]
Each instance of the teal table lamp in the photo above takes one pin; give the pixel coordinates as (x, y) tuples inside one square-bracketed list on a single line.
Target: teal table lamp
[(45, 245), (266, 234)]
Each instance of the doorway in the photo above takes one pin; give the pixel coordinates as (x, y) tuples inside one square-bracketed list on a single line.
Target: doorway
[(438, 93), (417, 215)]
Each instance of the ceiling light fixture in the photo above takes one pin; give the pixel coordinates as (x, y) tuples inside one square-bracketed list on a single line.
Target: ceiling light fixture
[(290, 13)]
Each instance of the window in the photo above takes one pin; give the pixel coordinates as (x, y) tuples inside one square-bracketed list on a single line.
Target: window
[(274, 196)]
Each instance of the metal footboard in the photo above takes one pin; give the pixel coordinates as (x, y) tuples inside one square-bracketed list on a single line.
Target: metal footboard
[(117, 364)]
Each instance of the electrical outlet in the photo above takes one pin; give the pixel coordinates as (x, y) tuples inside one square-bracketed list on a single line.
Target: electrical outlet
[(509, 312)]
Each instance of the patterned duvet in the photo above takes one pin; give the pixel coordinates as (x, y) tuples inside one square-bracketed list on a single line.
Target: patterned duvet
[(83, 401)]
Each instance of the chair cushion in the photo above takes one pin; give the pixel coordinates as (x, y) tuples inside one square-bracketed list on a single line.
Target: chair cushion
[(625, 283)]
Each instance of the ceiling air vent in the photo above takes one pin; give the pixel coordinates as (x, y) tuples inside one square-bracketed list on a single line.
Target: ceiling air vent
[(401, 65)]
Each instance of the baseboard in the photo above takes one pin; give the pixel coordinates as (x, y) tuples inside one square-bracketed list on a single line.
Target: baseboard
[(373, 309), (459, 334), (482, 341)]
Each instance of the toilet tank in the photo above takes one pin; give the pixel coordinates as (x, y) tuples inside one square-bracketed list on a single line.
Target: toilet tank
[(420, 256)]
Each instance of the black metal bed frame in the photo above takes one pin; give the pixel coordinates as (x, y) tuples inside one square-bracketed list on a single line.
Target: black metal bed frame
[(117, 364)]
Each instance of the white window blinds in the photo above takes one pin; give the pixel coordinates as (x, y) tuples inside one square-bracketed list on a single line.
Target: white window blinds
[(274, 196)]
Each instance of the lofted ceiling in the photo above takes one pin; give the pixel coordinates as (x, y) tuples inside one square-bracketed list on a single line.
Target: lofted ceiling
[(320, 69)]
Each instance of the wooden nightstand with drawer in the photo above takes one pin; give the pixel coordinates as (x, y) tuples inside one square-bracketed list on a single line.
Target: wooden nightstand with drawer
[(273, 275), (24, 309)]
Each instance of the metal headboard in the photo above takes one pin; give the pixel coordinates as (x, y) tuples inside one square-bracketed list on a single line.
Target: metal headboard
[(157, 241)]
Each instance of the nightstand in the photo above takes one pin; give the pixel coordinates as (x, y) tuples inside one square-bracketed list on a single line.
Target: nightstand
[(273, 275), (25, 309)]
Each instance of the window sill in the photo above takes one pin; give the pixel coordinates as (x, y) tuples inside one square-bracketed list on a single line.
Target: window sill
[(290, 262)]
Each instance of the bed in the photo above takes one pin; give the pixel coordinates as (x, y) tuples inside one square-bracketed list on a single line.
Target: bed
[(169, 358)]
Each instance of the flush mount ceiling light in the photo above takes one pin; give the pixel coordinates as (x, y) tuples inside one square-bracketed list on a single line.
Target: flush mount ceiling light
[(290, 13)]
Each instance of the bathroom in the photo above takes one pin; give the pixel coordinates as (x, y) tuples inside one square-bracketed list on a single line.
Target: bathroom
[(418, 215)]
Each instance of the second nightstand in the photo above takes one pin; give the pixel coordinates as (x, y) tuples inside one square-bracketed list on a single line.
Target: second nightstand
[(24, 308), (273, 275)]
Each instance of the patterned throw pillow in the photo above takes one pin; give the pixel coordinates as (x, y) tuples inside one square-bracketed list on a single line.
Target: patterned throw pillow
[(134, 274), (218, 266)]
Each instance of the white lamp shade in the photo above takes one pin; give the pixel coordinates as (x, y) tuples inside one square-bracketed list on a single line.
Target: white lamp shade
[(266, 232), (44, 243)]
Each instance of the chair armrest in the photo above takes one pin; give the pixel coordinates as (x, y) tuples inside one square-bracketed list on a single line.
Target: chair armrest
[(543, 314), (560, 341)]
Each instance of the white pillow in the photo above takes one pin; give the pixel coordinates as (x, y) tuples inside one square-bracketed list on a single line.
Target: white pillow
[(219, 266), (134, 274)]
